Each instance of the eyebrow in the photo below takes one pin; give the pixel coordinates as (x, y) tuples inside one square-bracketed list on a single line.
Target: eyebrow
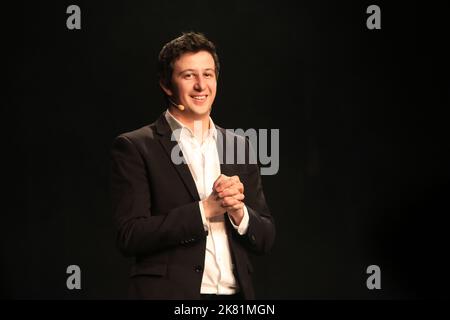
[(192, 70)]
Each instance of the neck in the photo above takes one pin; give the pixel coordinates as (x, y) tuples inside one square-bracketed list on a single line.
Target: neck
[(192, 120)]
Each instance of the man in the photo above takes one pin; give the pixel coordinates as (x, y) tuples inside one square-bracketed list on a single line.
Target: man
[(189, 224)]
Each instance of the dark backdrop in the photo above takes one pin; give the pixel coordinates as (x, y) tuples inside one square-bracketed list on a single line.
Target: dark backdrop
[(364, 174)]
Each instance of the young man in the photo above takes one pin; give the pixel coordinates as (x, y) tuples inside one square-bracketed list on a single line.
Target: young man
[(189, 224)]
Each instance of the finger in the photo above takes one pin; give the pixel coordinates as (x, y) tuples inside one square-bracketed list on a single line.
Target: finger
[(215, 196), (239, 197), (229, 192), (222, 177), (219, 178), (222, 185), (235, 179), (235, 207), (229, 201), (237, 186)]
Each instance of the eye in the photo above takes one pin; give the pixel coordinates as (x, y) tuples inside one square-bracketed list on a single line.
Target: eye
[(188, 76), (208, 75)]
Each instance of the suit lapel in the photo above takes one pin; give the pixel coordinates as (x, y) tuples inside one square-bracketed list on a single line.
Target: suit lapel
[(226, 169), (164, 130)]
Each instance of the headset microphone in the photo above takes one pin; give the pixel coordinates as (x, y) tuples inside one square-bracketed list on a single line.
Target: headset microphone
[(179, 106)]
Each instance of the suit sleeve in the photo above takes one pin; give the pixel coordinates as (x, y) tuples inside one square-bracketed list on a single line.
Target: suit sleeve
[(260, 234), (140, 232)]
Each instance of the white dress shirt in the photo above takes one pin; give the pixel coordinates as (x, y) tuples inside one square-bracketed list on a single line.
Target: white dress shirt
[(203, 161)]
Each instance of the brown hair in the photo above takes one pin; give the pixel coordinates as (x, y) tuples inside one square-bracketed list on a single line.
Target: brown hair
[(188, 42)]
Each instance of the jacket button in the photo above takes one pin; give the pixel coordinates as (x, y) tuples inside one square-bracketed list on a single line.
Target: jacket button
[(198, 269)]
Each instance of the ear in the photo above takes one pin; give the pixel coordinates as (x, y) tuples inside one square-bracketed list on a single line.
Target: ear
[(165, 89)]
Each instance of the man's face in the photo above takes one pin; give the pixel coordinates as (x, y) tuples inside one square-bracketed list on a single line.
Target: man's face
[(194, 83)]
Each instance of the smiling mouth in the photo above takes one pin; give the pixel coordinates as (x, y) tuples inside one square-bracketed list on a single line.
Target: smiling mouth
[(199, 97)]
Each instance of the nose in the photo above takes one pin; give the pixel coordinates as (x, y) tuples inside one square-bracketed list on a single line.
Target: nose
[(200, 84)]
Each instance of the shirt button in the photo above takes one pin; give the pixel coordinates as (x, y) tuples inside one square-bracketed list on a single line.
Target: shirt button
[(198, 269)]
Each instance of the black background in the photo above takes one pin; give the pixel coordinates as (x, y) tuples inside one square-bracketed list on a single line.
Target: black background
[(364, 174)]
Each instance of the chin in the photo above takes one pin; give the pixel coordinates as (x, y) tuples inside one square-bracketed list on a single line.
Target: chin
[(200, 110)]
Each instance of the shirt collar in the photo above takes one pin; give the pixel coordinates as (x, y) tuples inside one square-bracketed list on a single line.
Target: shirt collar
[(175, 124)]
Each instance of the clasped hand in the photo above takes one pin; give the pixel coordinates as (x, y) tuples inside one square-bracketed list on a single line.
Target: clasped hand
[(227, 196)]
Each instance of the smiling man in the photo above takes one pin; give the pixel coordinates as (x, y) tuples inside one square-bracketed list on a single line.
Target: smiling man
[(190, 226)]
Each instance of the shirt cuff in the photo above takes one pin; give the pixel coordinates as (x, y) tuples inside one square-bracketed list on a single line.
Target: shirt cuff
[(202, 213), (243, 226)]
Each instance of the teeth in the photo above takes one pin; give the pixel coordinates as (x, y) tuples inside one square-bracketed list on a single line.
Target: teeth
[(199, 97)]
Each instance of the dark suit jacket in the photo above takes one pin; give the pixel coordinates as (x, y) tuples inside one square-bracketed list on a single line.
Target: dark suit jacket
[(155, 204)]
